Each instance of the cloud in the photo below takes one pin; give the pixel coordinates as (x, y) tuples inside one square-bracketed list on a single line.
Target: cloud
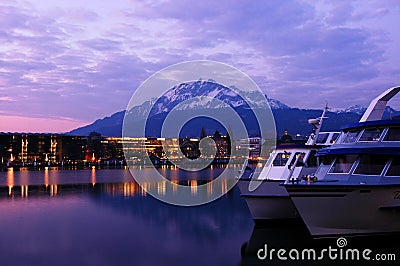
[(288, 37), (85, 61), (6, 99), (101, 44)]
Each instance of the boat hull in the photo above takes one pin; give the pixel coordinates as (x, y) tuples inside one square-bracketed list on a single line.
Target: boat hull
[(347, 210), (270, 201)]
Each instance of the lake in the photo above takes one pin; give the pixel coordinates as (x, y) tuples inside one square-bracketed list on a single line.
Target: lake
[(102, 217)]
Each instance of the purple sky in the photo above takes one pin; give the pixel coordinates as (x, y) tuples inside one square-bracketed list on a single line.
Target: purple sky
[(64, 64)]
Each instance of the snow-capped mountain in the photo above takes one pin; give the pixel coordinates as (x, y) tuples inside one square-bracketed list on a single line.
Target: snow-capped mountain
[(208, 94), (358, 109), (203, 94), (275, 104)]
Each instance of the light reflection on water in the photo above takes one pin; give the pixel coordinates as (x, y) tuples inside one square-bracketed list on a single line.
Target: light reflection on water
[(18, 182), (102, 217)]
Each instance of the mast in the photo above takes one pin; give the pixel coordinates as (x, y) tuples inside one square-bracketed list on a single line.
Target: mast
[(317, 123), (377, 106)]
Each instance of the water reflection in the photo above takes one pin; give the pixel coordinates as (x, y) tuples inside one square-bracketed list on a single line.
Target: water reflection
[(93, 176), (24, 182), (10, 180), (46, 176), (24, 191), (126, 189), (117, 224), (193, 187), (53, 190)]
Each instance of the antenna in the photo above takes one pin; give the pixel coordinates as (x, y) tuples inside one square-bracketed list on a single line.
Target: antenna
[(317, 124)]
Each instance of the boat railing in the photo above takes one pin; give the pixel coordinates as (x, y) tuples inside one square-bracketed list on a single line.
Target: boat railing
[(292, 168)]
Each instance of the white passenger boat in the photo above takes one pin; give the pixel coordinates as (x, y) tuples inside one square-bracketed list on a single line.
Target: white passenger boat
[(356, 189), (264, 195)]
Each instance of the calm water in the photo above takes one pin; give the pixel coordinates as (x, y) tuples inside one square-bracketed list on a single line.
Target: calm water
[(102, 217)]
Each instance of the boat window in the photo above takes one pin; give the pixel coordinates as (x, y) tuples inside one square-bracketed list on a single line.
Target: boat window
[(327, 160), (394, 168), (300, 161), (343, 164), (334, 137), (312, 160), (371, 164), (393, 134), (322, 137), (341, 137), (371, 134), (351, 136), (281, 159)]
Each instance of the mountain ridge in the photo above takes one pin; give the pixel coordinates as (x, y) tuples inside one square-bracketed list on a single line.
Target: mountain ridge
[(209, 95)]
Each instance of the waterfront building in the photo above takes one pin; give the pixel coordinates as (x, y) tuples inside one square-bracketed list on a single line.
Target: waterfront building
[(37, 149)]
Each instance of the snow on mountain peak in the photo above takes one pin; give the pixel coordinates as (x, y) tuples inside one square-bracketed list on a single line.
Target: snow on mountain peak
[(204, 94), (197, 95), (358, 109), (275, 104)]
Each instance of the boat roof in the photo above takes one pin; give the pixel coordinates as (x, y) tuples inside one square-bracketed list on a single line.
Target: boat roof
[(376, 123), (377, 105), (357, 149)]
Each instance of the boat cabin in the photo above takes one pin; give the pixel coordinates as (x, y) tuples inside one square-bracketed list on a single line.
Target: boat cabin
[(365, 152), (295, 160)]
